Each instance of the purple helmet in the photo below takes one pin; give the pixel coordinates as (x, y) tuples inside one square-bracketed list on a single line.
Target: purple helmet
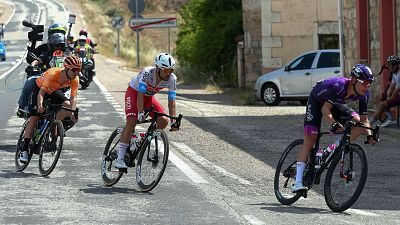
[(362, 72)]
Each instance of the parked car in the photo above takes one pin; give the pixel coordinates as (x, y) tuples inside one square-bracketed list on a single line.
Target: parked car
[(2, 51), (295, 80)]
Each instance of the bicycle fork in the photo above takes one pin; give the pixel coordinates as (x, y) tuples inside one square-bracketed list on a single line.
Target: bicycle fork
[(348, 174)]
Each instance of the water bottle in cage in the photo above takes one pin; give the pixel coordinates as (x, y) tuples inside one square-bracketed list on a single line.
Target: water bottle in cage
[(323, 154), (136, 138)]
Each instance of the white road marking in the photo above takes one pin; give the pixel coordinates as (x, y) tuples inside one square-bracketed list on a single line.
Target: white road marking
[(206, 163), (253, 220), (362, 212), (185, 168), (19, 62)]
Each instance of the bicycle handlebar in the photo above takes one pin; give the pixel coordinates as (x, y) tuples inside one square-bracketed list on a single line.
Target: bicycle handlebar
[(375, 131), (151, 110), (59, 107)]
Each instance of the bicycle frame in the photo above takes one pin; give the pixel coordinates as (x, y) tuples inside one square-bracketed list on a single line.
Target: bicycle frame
[(312, 175), (149, 134)]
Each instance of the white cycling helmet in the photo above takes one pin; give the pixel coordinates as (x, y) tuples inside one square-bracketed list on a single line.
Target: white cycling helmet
[(164, 61), (82, 37)]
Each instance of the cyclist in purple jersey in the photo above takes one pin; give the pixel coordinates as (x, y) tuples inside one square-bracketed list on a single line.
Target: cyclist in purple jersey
[(327, 100)]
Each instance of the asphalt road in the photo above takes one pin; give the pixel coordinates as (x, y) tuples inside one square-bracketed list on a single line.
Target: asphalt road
[(221, 170)]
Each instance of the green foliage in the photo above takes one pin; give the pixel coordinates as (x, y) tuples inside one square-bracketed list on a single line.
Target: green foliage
[(206, 38)]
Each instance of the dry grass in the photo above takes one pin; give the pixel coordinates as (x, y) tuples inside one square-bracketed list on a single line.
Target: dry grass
[(151, 41)]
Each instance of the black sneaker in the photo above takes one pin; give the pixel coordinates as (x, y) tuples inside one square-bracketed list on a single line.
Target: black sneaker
[(20, 114)]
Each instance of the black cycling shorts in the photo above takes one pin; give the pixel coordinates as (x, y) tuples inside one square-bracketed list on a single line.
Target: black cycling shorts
[(312, 120), (56, 97)]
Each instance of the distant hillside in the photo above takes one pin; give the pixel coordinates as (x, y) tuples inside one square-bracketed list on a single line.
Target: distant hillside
[(165, 5)]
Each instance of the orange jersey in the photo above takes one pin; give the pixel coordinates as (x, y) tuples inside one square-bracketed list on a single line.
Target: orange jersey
[(50, 81)]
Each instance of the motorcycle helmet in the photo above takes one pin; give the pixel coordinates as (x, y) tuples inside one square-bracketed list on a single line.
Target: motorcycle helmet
[(56, 40), (56, 28), (83, 32)]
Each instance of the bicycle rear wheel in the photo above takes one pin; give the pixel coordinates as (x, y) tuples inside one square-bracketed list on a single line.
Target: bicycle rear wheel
[(20, 143), (152, 161), (51, 147), (345, 180), (285, 174), (109, 173)]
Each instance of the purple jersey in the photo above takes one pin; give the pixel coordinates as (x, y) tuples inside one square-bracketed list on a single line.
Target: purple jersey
[(334, 91)]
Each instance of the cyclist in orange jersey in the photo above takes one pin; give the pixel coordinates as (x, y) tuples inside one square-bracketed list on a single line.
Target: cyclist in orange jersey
[(48, 87)]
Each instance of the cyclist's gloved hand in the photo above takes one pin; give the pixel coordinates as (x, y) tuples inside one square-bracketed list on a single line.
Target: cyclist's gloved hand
[(336, 126), (174, 126), (371, 140), (141, 117)]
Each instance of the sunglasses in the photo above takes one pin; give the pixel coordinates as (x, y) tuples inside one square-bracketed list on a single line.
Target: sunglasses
[(364, 83), (168, 70), (76, 70)]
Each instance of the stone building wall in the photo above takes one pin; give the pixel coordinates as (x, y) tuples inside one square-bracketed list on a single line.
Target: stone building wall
[(275, 31), (350, 44), (252, 39)]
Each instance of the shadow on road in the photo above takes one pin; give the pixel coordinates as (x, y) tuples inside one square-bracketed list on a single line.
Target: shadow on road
[(104, 190), (266, 137), (275, 207), (9, 174), (8, 148)]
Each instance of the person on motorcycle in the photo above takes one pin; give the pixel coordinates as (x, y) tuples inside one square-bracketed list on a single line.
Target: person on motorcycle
[(54, 28), (48, 87), (55, 42), (84, 48), (90, 42), (87, 39)]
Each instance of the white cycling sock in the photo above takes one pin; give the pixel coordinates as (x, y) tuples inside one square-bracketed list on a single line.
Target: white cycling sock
[(300, 166), (122, 150)]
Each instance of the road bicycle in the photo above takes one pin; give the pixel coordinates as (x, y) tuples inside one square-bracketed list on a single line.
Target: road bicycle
[(150, 153), (47, 140), (346, 176)]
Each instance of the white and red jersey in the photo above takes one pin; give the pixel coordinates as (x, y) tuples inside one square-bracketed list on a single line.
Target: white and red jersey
[(145, 82)]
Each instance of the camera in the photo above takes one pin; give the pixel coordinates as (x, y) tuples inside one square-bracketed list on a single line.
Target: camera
[(37, 31)]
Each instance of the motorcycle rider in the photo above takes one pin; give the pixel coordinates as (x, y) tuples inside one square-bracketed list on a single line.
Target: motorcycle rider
[(54, 28), (82, 44), (88, 41)]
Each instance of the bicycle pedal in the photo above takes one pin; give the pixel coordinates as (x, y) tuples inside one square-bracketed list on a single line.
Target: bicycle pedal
[(124, 170), (303, 193)]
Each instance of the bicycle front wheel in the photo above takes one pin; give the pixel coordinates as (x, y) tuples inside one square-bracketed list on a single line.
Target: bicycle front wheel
[(20, 143), (346, 178), (51, 147), (285, 174), (109, 173), (152, 161)]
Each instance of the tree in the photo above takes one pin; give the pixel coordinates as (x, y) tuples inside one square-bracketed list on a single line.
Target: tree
[(206, 38)]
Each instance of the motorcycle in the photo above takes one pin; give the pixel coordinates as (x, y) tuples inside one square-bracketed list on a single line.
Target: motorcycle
[(84, 52)]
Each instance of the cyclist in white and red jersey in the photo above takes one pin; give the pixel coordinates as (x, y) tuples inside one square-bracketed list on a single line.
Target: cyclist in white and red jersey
[(140, 96)]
